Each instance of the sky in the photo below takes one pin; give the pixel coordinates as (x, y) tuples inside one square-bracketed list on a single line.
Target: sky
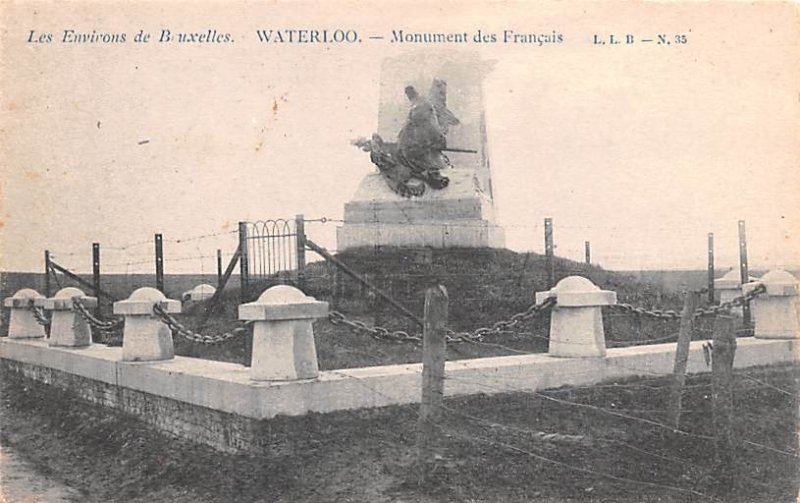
[(641, 150)]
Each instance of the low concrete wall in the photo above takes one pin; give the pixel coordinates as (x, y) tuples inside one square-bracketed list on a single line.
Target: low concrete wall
[(216, 403)]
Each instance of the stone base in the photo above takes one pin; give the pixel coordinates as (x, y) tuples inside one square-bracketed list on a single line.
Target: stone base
[(577, 332), (460, 215), (23, 325), (452, 234), (776, 317), (146, 339), (69, 329)]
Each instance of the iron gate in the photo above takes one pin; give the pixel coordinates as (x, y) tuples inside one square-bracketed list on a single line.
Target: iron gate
[(272, 252)]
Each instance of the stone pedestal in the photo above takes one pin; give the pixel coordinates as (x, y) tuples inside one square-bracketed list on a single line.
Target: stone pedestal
[(145, 337), (461, 214), (777, 311), (576, 322), (22, 323), (67, 326), (283, 338), (457, 216), (199, 293), (728, 287)]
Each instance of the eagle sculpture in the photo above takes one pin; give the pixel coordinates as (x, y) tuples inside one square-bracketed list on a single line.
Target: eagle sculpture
[(417, 159)]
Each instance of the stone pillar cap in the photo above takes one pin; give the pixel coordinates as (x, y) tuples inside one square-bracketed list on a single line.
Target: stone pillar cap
[(22, 298), (731, 280), (62, 300), (203, 289), (142, 300), (778, 282), (283, 302), (577, 291)]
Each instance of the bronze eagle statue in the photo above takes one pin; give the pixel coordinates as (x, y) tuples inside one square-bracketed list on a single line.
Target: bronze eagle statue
[(417, 159)]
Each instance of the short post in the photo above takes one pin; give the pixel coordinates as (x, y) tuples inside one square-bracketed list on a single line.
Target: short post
[(67, 327), (548, 251), (724, 350), (22, 323), (588, 249), (711, 295), (743, 273), (728, 287), (47, 268), (159, 242), (690, 302), (300, 241), (244, 267), (576, 323), (337, 284), (199, 293), (219, 267), (96, 273), (146, 337), (283, 336), (434, 347), (776, 311)]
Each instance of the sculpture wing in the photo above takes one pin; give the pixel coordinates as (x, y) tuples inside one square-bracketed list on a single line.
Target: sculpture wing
[(438, 98)]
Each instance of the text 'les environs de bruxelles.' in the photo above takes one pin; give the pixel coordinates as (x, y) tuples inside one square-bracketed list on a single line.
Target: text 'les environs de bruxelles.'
[(292, 36)]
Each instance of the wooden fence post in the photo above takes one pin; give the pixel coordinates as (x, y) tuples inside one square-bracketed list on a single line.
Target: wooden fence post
[(244, 269), (743, 271), (433, 357), (96, 274), (300, 241), (711, 299), (724, 350), (159, 262), (219, 267), (47, 290), (690, 303), (548, 251)]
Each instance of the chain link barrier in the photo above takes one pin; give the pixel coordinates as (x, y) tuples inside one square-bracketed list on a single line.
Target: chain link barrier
[(178, 328), (92, 320), (504, 325), (38, 313), (379, 333), (451, 336), (109, 330), (671, 314)]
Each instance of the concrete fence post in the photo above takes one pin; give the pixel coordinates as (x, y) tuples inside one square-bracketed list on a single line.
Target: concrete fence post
[(22, 323), (67, 326), (576, 323), (145, 337), (199, 293), (283, 337), (777, 311)]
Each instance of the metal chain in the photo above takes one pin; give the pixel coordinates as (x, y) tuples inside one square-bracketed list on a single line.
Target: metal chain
[(91, 320), (178, 328), (381, 333), (726, 307), (109, 330), (38, 313), (502, 326), (671, 314)]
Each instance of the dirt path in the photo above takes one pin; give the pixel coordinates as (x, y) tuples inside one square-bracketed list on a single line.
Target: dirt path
[(20, 482)]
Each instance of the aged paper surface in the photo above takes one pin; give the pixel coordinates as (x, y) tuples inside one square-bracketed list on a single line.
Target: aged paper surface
[(638, 127)]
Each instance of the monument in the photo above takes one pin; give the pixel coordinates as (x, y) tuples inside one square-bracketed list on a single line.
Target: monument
[(433, 185)]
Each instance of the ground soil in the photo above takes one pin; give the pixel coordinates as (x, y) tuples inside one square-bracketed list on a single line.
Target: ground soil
[(487, 448)]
